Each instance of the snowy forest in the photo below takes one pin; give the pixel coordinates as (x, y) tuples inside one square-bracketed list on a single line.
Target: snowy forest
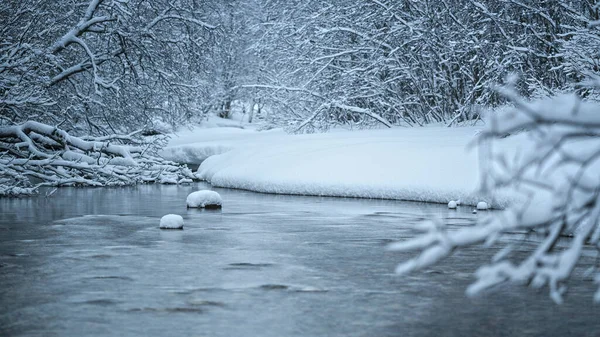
[(114, 67), (114, 93), (127, 70)]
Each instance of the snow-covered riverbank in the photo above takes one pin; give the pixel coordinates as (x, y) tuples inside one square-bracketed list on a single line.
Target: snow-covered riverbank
[(431, 164)]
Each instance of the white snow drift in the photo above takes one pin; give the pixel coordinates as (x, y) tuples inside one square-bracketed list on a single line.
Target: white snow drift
[(204, 199), (429, 164), (194, 145), (482, 206), (171, 221)]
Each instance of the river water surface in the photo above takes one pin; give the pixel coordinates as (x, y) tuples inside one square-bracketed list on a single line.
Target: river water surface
[(92, 262)]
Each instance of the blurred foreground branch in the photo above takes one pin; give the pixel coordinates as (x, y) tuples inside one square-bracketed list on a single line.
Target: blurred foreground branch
[(556, 183)]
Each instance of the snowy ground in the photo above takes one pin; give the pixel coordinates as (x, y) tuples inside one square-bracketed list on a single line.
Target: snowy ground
[(429, 164), (215, 136)]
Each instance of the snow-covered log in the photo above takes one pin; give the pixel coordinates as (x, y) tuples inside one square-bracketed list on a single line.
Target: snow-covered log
[(33, 154), (556, 175)]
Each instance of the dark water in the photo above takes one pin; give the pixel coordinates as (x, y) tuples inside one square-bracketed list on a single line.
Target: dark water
[(92, 262)]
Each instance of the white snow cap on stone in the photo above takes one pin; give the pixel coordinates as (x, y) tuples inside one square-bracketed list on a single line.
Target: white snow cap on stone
[(452, 204), (204, 198), (482, 206), (171, 221)]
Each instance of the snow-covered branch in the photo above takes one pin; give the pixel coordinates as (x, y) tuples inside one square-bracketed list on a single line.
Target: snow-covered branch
[(180, 18), (324, 105), (555, 179), (35, 154), (362, 111)]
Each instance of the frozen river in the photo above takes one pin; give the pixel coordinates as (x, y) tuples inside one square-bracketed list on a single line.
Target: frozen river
[(92, 262)]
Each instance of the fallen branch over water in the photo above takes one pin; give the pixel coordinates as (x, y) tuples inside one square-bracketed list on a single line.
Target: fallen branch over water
[(33, 154)]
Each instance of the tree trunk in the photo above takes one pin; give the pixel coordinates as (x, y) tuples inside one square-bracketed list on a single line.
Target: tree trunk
[(226, 111), (251, 111)]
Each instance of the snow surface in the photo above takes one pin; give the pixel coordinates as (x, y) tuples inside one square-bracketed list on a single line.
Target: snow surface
[(452, 204), (482, 206), (215, 136), (430, 164), (171, 221), (204, 198)]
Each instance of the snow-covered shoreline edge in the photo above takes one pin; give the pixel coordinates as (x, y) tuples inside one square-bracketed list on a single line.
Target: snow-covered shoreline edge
[(431, 164), (496, 202)]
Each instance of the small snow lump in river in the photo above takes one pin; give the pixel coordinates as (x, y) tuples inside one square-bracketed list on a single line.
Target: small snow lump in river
[(204, 199), (171, 221), (452, 204), (482, 206)]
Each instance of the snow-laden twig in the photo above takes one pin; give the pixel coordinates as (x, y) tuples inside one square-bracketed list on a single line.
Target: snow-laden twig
[(556, 176), (180, 18)]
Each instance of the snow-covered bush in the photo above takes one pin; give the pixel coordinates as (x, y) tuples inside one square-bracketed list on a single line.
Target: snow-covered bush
[(556, 177), (35, 154)]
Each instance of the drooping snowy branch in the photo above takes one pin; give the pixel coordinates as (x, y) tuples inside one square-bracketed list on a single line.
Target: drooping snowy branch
[(556, 181), (93, 67), (85, 24)]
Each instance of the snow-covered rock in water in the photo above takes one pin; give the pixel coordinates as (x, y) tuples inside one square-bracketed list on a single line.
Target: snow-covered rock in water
[(452, 204), (482, 206), (168, 179), (171, 221), (204, 199), (474, 211)]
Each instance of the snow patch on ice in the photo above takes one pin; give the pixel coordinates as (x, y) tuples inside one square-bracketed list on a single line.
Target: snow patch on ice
[(204, 199), (171, 221)]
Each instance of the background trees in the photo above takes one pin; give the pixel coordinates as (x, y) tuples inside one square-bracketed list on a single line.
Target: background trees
[(313, 64), (100, 67), (411, 63), (76, 80)]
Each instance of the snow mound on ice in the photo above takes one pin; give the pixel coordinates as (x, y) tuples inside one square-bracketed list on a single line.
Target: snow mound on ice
[(204, 199), (171, 221)]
